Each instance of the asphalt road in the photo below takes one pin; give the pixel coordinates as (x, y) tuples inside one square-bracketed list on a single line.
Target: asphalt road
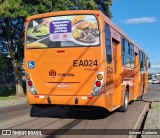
[(18, 117)]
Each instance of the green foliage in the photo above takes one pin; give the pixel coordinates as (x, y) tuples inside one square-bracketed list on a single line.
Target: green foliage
[(24, 8), (7, 91), (63, 5), (14, 12), (104, 6), (8, 8)]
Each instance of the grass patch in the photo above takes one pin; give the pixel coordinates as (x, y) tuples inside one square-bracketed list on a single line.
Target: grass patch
[(8, 98), (7, 93)]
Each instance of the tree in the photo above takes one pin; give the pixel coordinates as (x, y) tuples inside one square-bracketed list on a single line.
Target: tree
[(75, 5), (104, 6), (11, 33), (13, 14)]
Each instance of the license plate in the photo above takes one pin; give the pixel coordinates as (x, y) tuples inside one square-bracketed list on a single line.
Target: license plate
[(62, 85)]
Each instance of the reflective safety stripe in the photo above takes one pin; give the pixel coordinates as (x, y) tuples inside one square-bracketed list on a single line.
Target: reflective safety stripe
[(84, 98)]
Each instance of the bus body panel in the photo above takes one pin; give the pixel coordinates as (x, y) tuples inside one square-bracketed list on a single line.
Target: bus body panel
[(99, 101), (66, 74), (75, 72)]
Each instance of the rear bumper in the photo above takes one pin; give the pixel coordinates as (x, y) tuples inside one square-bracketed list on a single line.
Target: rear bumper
[(155, 82), (98, 101)]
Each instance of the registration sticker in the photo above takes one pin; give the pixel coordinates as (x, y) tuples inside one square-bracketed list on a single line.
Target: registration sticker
[(62, 85)]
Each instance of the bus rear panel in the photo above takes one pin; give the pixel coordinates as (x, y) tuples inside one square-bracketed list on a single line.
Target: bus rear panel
[(80, 58), (64, 60)]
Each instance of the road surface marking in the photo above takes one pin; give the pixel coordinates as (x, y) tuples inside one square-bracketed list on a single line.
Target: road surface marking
[(14, 120)]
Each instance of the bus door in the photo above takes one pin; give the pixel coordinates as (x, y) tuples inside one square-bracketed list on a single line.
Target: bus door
[(109, 85), (136, 76), (117, 69)]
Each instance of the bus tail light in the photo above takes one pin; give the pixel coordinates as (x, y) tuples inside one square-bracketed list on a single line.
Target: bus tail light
[(32, 90), (98, 84), (30, 84), (99, 76), (28, 77)]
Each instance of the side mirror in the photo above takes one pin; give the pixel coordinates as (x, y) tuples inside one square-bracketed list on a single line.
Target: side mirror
[(149, 65)]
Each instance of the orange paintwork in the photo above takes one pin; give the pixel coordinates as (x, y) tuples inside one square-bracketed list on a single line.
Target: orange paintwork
[(80, 85)]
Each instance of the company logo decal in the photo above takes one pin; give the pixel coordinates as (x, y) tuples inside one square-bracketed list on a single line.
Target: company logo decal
[(52, 73), (66, 74)]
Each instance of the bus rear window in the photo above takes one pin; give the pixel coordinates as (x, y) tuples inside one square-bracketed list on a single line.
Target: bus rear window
[(63, 31)]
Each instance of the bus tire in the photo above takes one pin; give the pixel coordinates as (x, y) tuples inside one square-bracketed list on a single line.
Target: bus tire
[(126, 101)]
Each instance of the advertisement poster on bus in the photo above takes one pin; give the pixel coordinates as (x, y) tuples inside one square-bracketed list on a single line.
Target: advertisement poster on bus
[(63, 31)]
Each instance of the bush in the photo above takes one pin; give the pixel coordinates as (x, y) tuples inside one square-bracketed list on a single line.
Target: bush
[(7, 91)]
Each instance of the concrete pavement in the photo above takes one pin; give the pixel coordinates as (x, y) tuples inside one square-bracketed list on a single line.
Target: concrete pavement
[(153, 117), (152, 121)]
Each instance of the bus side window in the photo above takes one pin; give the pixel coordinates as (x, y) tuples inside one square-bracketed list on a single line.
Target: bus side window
[(122, 49), (129, 50), (144, 62), (132, 55), (127, 53), (108, 44), (141, 60)]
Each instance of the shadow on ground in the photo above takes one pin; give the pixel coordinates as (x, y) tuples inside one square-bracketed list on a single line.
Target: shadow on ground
[(69, 112)]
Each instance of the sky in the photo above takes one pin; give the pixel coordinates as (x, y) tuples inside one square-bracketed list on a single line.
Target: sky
[(140, 20)]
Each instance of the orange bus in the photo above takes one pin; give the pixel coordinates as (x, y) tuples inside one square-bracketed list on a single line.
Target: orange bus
[(80, 58)]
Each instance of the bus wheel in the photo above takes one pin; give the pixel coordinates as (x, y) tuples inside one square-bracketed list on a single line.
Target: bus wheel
[(125, 105)]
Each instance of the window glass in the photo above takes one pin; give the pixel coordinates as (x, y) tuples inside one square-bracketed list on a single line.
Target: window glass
[(127, 53), (126, 46), (131, 50), (141, 60), (144, 61), (108, 44), (123, 45)]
